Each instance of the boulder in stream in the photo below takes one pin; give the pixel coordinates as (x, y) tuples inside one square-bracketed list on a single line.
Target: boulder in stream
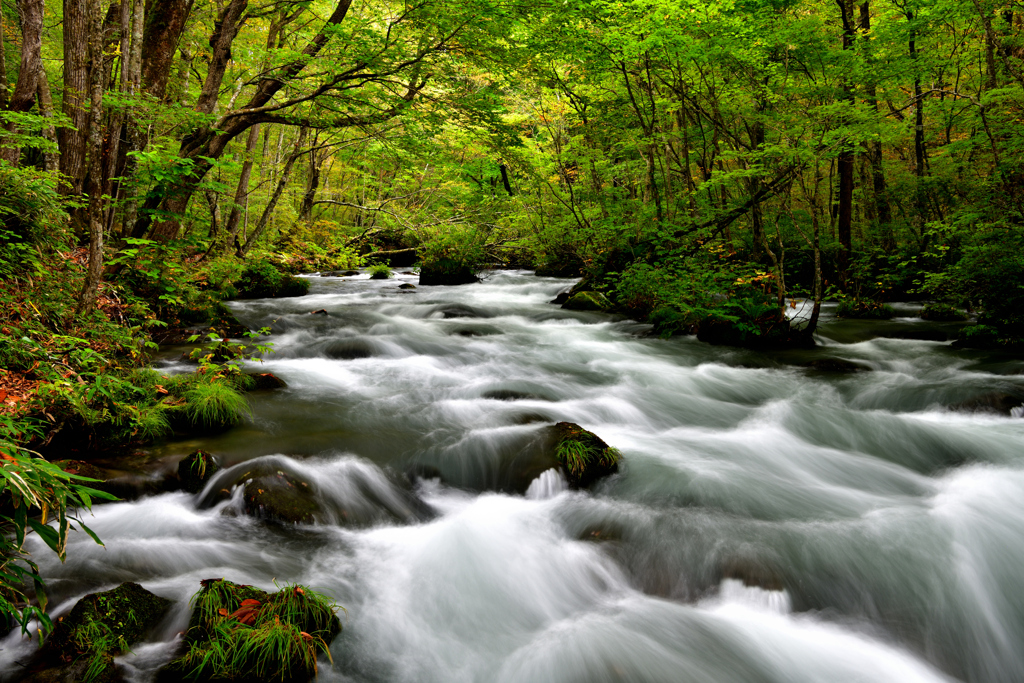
[(196, 469), (406, 286), (278, 496), (99, 627), (447, 276), (836, 366), (583, 456)]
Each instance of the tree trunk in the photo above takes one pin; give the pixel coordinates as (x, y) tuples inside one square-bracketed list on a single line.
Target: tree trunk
[(845, 162), (90, 288), (242, 190), (74, 139), (883, 211), (51, 160), (164, 24), (24, 96), (278, 190)]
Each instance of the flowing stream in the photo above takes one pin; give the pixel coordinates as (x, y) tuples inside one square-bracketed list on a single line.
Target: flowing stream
[(769, 523)]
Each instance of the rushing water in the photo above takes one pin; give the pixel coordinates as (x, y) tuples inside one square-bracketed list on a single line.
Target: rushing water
[(770, 522)]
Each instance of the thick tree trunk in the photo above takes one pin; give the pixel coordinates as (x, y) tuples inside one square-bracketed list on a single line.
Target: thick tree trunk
[(24, 96), (74, 139), (164, 24)]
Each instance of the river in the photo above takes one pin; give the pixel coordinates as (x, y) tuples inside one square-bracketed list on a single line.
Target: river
[(770, 522)]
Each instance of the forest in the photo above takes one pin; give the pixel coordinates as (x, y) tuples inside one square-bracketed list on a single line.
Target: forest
[(718, 168)]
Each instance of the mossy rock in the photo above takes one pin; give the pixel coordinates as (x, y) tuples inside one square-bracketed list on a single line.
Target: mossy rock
[(99, 627), (432, 276), (588, 301), (278, 496), (227, 635), (583, 456), (196, 469), (406, 286)]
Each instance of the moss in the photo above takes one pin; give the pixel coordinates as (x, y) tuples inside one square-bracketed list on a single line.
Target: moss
[(583, 455), (588, 301), (241, 633), (261, 279), (101, 626)]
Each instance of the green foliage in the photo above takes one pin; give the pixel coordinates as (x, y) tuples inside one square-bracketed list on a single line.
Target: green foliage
[(31, 486), (452, 251), (380, 271), (262, 279), (32, 220)]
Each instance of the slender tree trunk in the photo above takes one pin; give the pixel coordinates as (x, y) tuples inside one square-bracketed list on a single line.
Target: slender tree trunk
[(883, 211), (90, 289), (51, 160), (4, 86), (278, 190), (845, 161), (242, 190)]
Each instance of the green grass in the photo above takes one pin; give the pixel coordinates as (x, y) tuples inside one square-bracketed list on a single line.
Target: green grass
[(577, 456), (215, 403)]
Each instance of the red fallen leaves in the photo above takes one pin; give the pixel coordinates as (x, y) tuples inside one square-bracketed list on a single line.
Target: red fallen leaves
[(246, 614)]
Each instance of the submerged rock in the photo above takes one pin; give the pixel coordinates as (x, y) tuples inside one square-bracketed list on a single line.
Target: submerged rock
[(998, 402), (196, 469), (836, 365), (588, 301), (87, 469), (406, 285), (99, 627), (265, 381)]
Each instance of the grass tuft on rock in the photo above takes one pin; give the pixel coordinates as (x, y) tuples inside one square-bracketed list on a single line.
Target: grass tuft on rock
[(241, 633), (583, 455)]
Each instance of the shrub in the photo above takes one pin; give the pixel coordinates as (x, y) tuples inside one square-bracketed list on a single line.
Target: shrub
[(380, 271), (31, 216), (261, 279), (864, 309)]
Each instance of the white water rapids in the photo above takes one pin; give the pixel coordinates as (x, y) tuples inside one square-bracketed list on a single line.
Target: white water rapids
[(769, 522)]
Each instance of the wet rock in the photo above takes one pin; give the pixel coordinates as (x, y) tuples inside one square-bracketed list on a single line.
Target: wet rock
[(561, 298), (509, 395), (322, 311), (588, 301), (86, 469), (406, 286), (348, 349), (459, 311), (266, 381), (278, 496), (998, 402), (380, 275), (752, 573), (431, 277), (196, 469), (836, 366), (339, 273), (99, 627), (476, 331)]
